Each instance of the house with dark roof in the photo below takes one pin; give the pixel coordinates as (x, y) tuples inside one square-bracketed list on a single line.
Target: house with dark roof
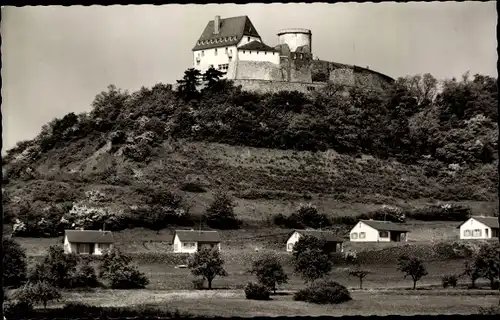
[(223, 42), (378, 231), (479, 227), (333, 242), (92, 242), (190, 241)]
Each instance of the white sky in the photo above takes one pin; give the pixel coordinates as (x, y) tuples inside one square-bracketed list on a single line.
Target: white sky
[(56, 59)]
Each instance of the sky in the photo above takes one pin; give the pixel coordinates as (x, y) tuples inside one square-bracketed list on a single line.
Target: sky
[(57, 59)]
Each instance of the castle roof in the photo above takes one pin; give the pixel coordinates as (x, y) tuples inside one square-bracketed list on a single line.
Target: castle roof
[(256, 46), (231, 30)]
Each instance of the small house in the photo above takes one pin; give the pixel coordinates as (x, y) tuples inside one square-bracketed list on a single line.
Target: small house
[(334, 242), (378, 231), (92, 242), (479, 227), (190, 241)]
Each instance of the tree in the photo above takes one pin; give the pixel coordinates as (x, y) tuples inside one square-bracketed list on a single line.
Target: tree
[(208, 264), (116, 267), (359, 273), (37, 292), (487, 262), (412, 267), (188, 84), (14, 263), (56, 268), (220, 214), (311, 258), (307, 215), (269, 272), (212, 79), (471, 272)]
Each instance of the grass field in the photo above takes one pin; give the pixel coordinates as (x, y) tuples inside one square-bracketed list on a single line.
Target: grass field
[(233, 303)]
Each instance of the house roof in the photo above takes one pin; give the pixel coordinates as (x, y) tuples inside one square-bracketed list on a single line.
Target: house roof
[(89, 236), (384, 225), (329, 236), (230, 33), (256, 46), (197, 236), (491, 222)]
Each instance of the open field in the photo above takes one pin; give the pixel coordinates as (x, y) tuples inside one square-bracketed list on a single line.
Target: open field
[(233, 302)]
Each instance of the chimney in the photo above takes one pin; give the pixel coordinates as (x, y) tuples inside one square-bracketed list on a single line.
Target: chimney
[(216, 24)]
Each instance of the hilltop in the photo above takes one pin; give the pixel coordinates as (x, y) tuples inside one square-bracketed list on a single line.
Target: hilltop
[(348, 154)]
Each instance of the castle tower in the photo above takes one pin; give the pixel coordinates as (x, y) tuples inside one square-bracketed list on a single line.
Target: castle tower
[(298, 40)]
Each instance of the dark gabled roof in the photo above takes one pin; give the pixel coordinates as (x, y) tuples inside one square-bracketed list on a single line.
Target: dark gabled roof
[(491, 222), (197, 236), (329, 236), (384, 225), (89, 236), (231, 31), (256, 46)]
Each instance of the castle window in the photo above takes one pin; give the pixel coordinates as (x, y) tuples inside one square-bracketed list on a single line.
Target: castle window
[(265, 52), (197, 62), (215, 51), (248, 39), (301, 56), (202, 53), (230, 58), (226, 49), (243, 51)]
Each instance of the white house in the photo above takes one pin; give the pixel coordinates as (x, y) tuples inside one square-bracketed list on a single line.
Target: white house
[(479, 228), (336, 243), (92, 242), (190, 241), (377, 231), (225, 41)]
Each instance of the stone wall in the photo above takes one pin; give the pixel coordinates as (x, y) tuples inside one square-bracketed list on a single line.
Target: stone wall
[(263, 86), (262, 70)]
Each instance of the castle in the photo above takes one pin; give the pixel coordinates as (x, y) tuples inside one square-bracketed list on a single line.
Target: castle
[(234, 46)]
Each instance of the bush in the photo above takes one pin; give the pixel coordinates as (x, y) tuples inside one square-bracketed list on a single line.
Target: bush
[(116, 268), (323, 292), (37, 292), (449, 280), (199, 283), (56, 268), (84, 277), (255, 291)]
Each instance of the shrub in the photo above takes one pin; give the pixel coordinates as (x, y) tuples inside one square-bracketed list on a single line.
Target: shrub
[(255, 291), (323, 292), (445, 212), (449, 280), (307, 215), (15, 309), (37, 292), (84, 277), (198, 283), (116, 267), (487, 262), (14, 263), (56, 268)]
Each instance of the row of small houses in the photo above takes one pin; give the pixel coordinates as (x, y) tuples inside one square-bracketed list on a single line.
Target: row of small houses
[(188, 241)]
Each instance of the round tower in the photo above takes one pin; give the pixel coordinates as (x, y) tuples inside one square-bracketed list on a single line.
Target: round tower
[(296, 38)]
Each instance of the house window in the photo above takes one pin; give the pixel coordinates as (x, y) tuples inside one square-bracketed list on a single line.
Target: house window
[(189, 245), (243, 51), (265, 52), (466, 233), (486, 232), (354, 235), (383, 234), (301, 56), (202, 53), (362, 235), (290, 246), (104, 246), (197, 62), (215, 51), (476, 233), (83, 248)]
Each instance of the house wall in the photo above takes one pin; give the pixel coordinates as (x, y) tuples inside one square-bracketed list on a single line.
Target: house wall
[(208, 57), (99, 249), (476, 230), (292, 240), (180, 247), (68, 248), (252, 55), (371, 234)]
